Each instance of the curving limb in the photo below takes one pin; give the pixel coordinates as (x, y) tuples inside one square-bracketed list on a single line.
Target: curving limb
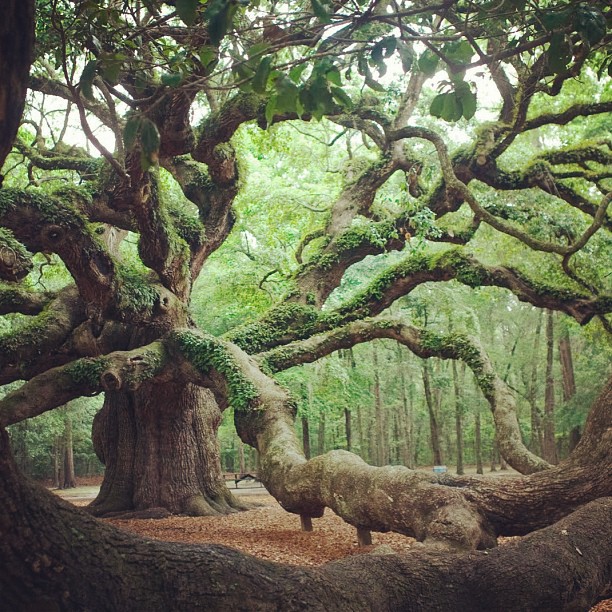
[(424, 344)]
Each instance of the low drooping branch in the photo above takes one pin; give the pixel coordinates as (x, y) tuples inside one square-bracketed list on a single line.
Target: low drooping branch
[(52, 551), (423, 344), (387, 498), (121, 370)]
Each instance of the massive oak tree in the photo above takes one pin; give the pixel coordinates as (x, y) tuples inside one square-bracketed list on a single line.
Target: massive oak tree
[(144, 70)]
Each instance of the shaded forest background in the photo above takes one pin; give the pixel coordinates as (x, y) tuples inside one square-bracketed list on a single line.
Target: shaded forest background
[(377, 400)]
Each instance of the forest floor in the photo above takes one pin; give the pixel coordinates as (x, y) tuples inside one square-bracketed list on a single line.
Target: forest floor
[(265, 531)]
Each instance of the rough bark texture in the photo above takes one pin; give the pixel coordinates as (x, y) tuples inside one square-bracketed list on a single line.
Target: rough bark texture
[(55, 557), (16, 46), (160, 449)]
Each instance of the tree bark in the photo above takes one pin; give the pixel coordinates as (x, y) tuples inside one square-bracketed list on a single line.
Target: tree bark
[(549, 449), (306, 437), (69, 478), (458, 420), (433, 419), (478, 442), (160, 450), (16, 48), (54, 556), (536, 441)]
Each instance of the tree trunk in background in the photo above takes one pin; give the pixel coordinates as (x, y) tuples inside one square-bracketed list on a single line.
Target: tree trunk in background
[(179, 471), (56, 463), (69, 479), (433, 421), (405, 421), (321, 434), (458, 419), (306, 436), (536, 442), (478, 442), (568, 381), (348, 429), (379, 417), (241, 461), (567, 366), (549, 450)]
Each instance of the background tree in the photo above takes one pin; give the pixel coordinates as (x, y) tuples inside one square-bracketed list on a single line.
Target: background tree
[(123, 326)]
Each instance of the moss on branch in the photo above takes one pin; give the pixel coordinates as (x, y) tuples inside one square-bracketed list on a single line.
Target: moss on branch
[(205, 353)]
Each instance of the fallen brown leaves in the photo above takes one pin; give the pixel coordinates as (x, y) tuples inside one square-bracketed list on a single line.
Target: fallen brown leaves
[(267, 532)]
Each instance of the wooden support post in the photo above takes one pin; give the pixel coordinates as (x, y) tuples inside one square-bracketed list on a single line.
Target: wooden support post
[(306, 522), (364, 536)]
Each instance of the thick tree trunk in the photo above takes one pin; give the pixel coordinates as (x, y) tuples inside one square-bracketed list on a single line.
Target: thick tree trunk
[(55, 557), (16, 46), (159, 446)]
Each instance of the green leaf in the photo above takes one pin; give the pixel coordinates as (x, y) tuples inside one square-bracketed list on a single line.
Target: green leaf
[(260, 80), (559, 54), (333, 76), (110, 66), (428, 63), (406, 54), (171, 79), (459, 52), (270, 110), (590, 23), (320, 11), (187, 10), (150, 140), (468, 104), (207, 55), (452, 109), (258, 49), (296, 72), (437, 104), (342, 97), (130, 131), (286, 94), (220, 17), (87, 77)]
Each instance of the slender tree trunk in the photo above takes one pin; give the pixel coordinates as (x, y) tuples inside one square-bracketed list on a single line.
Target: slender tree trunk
[(433, 421), (458, 419), (478, 442), (348, 429), (550, 447), (405, 421), (568, 381), (536, 442), (378, 410), (69, 479), (567, 366), (306, 436), (241, 461), (56, 463), (321, 434)]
